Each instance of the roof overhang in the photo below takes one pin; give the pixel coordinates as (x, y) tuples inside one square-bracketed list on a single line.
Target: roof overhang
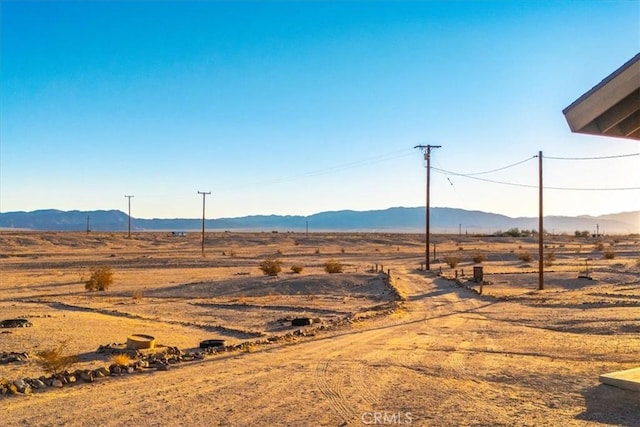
[(612, 107)]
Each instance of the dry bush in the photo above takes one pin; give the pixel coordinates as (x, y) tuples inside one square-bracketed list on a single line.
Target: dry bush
[(609, 254), (121, 359), (317, 251), (452, 261), (137, 294), (279, 252), (271, 266), (100, 280), (332, 267), (232, 253), (525, 256), (297, 269), (478, 258), (599, 246), (549, 258), (53, 360)]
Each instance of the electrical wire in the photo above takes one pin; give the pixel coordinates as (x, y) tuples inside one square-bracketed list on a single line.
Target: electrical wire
[(444, 172), (592, 158), (503, 168)]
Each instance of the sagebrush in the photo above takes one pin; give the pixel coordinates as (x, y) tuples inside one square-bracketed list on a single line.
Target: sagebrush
[(333, 266), (478, 258), (271, 266), (452, 261), (525, 256), (100, 280)]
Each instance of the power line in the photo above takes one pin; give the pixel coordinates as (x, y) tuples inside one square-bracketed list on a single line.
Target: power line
[(332, 169), (592, 189), (445, 172), (593, 158), (505, 167)]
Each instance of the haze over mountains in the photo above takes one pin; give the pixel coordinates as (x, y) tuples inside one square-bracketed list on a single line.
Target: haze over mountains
[(397, 219)]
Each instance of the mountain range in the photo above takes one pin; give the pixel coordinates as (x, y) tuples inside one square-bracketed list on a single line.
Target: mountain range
[(397, 219)]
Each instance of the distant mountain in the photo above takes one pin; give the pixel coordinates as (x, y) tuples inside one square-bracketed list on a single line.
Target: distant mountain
[(399, 219)]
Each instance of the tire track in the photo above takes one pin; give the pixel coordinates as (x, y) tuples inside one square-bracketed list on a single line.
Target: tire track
[(364, 388), (333, 394)]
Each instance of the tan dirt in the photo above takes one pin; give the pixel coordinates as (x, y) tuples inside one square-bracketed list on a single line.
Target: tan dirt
[(513, 356)]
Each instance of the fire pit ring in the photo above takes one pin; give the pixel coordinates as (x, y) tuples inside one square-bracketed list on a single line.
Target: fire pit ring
[(139, 341)]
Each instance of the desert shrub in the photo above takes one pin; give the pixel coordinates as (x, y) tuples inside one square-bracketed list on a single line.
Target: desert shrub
[(121, 359), (599, 246), (271, 266), (583, 233), (137, 294), (549, 258), (232, 253), (513, 232), (342, 250), (452, 261), (478, 258), (333, 267), (317, 251), (100, 280), (53, 360), (609, 254), (279, 252), (525, 256), (297, 269), (638, 262)]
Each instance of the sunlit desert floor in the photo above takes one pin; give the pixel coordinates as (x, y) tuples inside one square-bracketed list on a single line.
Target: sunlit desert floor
[(418, 348)]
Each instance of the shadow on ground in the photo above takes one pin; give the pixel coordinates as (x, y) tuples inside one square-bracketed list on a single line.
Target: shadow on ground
[(611, 405)]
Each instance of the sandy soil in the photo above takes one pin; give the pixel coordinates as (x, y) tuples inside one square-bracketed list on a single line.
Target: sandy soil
[(448, 356)]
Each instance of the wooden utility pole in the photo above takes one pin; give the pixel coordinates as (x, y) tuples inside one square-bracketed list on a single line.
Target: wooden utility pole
[(540, 227), (427, 157), (204, 194), (129, 197)]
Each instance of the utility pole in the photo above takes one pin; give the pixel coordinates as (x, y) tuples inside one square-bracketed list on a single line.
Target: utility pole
[(88, 228), (540, 227), (427, 157), (129, 197), (307, 227), (204, 194)]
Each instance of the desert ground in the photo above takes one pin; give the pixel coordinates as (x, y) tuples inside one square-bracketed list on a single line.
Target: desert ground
[(391, 343)]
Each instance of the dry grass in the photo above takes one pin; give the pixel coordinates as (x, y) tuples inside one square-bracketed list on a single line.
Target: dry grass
[(121, 359), (55, 360)]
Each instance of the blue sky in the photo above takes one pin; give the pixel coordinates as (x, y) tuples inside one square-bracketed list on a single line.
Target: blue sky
[(303, 107)]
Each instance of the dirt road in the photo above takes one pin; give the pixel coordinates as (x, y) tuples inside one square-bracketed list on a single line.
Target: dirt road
[(449, 357)]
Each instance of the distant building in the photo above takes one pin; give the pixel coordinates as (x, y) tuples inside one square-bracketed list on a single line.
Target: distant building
[(612, 107), (179, 233)]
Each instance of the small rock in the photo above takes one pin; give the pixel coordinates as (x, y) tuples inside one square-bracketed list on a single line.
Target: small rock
[(87, 376), (39, 384), (56, 383), (20, 384)]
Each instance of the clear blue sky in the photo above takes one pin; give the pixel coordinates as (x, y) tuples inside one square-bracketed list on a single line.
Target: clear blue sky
[(303, 107)]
